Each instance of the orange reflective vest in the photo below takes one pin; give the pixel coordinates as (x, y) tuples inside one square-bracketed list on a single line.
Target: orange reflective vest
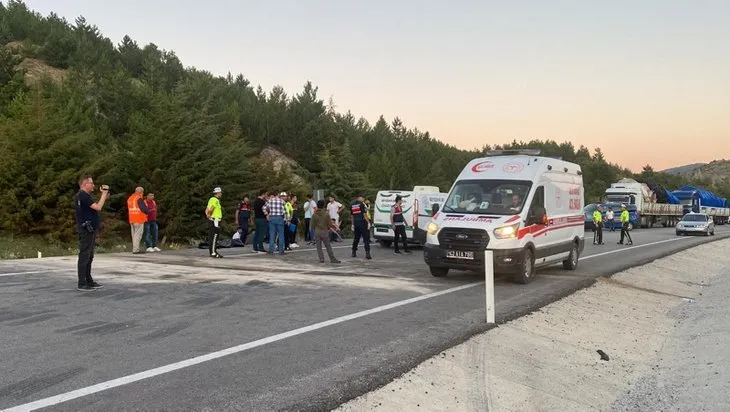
[(136, 215)]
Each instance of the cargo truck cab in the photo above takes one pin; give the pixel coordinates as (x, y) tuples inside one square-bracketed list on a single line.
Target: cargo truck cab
[(526, 208)]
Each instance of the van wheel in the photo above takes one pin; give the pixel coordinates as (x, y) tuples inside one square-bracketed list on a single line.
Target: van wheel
[(527, 272), (571, 263), (438, 272), (386, 243)]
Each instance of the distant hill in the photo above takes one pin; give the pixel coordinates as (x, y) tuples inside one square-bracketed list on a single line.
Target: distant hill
[(684, 170), (717, 171)]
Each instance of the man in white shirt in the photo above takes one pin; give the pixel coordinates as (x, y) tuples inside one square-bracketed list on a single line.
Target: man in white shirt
[(609, 219), (310, 206), (333, 209)]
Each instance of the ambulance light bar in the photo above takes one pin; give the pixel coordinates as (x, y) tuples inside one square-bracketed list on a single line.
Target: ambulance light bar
[(512, 152)]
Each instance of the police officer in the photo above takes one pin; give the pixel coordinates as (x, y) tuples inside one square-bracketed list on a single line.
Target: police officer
[(214, 213), (598, 225), (625, 227), (360, 225)]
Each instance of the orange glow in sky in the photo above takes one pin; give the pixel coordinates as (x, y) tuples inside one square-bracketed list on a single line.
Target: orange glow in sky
[(648, 81)]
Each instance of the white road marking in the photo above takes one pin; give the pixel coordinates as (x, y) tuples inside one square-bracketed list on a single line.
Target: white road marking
[(633, 247), (35, 272), (55, 400), (125, 380)]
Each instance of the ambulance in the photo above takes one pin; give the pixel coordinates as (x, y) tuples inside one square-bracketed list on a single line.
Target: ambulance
[(526, 208), (384, 201)]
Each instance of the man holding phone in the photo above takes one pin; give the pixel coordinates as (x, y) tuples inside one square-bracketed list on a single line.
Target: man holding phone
[(88, 224)]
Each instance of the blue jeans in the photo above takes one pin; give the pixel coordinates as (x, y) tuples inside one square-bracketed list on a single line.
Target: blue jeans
[(276, 227), (150, 234)]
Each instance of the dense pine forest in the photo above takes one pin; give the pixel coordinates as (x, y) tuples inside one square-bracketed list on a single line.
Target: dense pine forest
[(73, 101)]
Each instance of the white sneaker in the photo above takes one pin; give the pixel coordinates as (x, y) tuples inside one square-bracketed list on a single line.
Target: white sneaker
[(150, 250), (294, 246), (157, 249)]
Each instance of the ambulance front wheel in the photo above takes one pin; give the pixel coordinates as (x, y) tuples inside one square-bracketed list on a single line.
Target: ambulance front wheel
[(438, 272), (571, 263), (527, 271)]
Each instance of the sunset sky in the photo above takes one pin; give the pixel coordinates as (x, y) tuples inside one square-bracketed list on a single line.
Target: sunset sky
[(647, 81)]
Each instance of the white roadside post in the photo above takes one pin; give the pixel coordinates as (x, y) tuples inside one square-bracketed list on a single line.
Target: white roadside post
[(489, 283)]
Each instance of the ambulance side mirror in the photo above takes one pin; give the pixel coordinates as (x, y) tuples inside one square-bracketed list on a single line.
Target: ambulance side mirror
[(539, 219), (435, 209)]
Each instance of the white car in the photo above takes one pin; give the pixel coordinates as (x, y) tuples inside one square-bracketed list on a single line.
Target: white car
[(693, 223)]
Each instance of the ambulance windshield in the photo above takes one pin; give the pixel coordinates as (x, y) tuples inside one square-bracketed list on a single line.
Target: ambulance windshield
[(494, 197)]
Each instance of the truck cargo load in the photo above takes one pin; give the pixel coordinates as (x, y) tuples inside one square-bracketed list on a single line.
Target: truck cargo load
[(697, 200), (654, 204), (708, 198)]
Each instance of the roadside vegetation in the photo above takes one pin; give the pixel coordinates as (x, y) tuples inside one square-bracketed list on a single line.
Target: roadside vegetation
[(73, 101)]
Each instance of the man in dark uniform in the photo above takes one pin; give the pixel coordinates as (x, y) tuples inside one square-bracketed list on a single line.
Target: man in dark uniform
[(243, 216), (87, 224), (360, 225)]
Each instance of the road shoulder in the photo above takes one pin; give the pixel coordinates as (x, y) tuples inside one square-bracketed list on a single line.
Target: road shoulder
[(647, 320)]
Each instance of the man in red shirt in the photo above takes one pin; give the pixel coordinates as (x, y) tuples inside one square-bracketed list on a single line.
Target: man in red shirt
[(243, 216), (150, 227)]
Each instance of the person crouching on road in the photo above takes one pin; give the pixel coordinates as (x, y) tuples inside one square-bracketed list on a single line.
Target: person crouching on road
[(625, 227), (322, 224), (360, 225), (214, 213), (598, 226), (137, 210)]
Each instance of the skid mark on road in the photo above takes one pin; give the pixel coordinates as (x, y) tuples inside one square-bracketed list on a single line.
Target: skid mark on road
[(230, 301), (166, 331), (30, 386), (201, 301), (9, 315), (80, 327), (106, 329), (34, 319)]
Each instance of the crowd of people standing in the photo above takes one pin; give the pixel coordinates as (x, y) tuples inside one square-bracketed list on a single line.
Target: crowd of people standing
[(274, 219), (269, 218)]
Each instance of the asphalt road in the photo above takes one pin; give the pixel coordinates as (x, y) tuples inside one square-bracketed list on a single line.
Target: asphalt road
[(180, 331)]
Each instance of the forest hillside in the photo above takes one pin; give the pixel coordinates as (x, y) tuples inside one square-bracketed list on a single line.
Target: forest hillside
[(73, 101)]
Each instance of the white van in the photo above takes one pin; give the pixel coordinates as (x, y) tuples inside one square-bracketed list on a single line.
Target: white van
[(384, 201), (424, 209), (526, 208)]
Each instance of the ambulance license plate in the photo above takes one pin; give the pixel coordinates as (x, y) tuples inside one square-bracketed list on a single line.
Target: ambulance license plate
[(457, 254), (382, 230)]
